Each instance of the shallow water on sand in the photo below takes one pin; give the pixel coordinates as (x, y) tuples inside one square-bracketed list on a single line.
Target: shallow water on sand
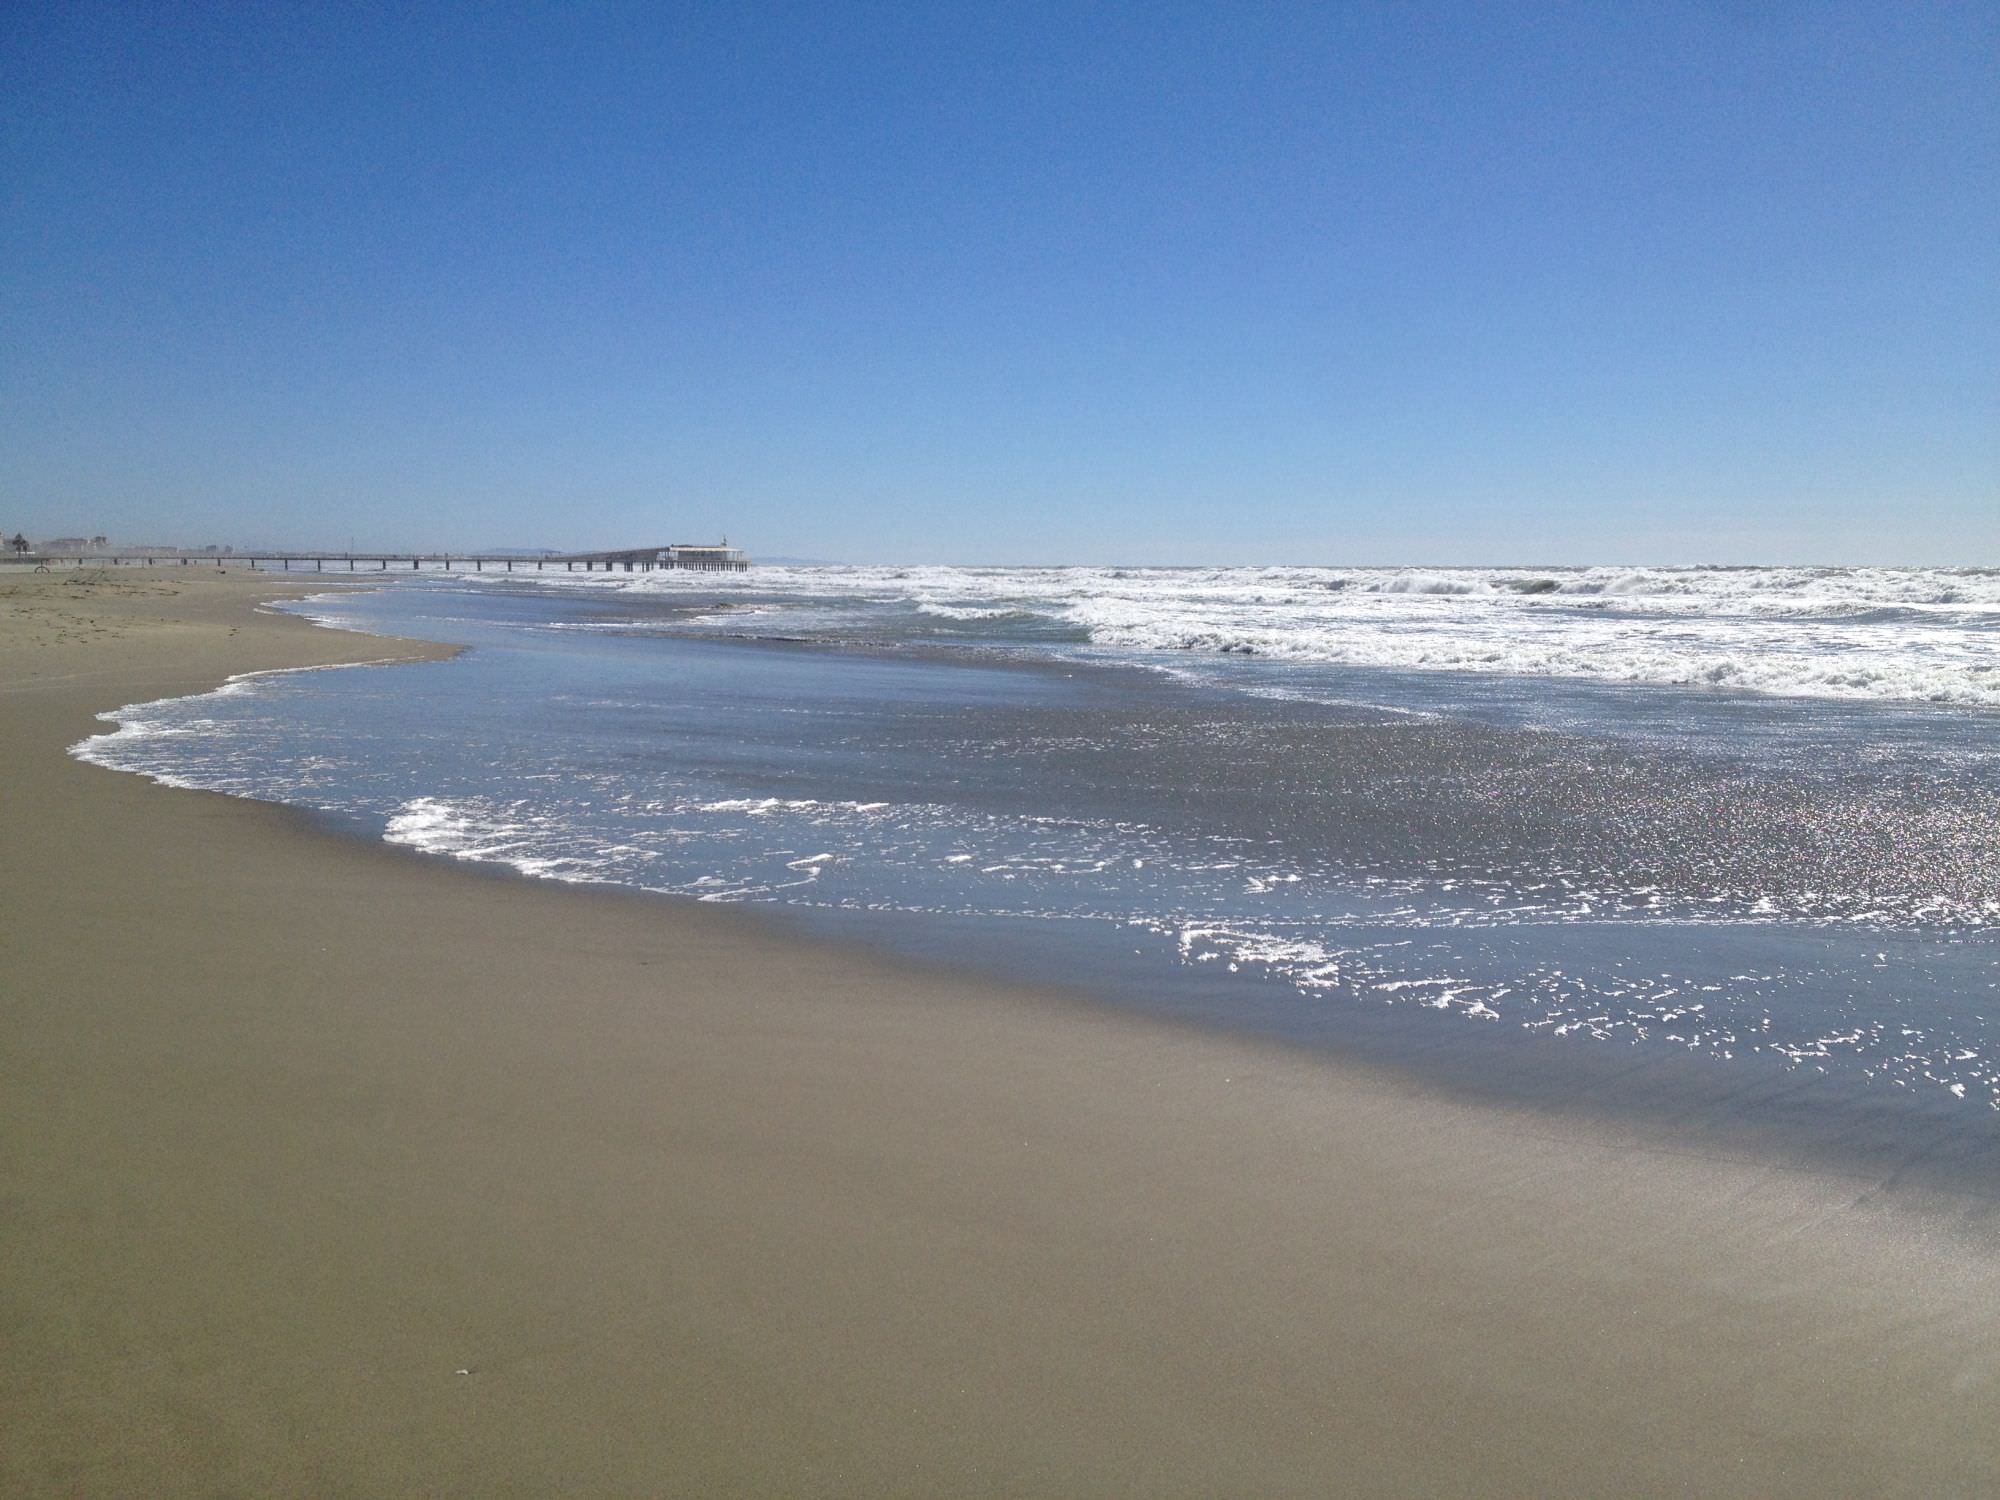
[(1774, 915)]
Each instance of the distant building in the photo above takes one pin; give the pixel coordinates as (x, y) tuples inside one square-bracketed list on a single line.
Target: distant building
[(722, 558)]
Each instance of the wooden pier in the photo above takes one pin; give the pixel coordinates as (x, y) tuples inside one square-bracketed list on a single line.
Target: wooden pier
[(723, 559)]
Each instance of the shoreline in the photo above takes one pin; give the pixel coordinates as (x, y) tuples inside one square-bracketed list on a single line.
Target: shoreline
[(336, 1169), (1875, 1136)]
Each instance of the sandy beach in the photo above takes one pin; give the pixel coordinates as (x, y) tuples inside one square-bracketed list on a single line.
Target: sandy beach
[(332, 1170)]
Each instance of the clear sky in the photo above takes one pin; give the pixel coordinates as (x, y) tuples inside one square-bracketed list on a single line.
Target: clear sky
[(1662, 281)]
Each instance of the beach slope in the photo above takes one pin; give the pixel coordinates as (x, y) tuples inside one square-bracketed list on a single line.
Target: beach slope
[(329, 1169)]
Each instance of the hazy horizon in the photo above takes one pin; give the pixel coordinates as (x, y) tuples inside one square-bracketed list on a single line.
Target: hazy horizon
[(526, 551)]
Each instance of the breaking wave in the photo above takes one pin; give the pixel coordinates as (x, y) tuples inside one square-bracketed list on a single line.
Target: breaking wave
[(1917, 635)]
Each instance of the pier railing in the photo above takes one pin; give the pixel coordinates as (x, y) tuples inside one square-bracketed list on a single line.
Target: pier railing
[(629, 560)]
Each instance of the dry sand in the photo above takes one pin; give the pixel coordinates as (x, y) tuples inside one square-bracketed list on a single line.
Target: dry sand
[(330, 1170)]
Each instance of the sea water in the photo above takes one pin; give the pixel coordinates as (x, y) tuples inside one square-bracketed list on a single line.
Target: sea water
[(1720, 845)]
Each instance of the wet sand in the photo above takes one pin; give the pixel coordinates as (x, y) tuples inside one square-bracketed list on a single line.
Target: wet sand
[(327, 1170)]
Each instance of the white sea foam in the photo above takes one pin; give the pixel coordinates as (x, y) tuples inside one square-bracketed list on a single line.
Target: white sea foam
[(1886, 634), (138, 740), (764, 807), (968, 611)]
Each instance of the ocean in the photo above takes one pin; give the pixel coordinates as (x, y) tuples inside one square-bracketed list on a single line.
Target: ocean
[(1714, 850)]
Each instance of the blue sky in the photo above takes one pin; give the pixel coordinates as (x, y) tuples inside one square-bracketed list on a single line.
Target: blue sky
[(1666, 281)]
